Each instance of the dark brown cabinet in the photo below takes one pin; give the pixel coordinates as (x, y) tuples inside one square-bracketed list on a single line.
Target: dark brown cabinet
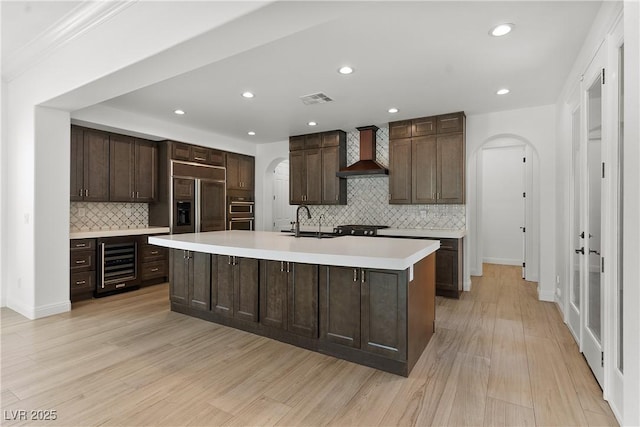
[(427, 160), (154, 266), (89, 165), (365, 309), (234, 290), (240, 172), (314, 160), (449, 268), (289, 297), (133, 170), (82, 266), (190, 281), (340, 305), (197, 154)]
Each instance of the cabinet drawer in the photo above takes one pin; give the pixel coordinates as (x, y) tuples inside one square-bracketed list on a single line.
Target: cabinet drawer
[(423, 126), (151, 270), (82, 261), (82, 244), (153, 253), (82, 282), (450, 123), (400, 129), (449, 244)]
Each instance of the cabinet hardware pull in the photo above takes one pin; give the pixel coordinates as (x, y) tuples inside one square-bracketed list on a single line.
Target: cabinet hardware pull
[(81, 282), (154, 252), (281, 265), (288, 267), (133, 195), (153, 270), (355, 275), (137, 194), (80, 192), (229, 259), (86, 193), (202, 159), (80, 245), (235, 260), (362, 277), (81, 261)]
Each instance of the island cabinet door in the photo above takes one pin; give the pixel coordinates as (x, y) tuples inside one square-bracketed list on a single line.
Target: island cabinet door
[(384, 312), (273, 293), (222, 285), (200, 283), (303, 299), (340, 305), (179, 277), (245, 288)]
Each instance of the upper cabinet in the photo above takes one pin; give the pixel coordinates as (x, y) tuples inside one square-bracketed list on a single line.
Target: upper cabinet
[(240, 172), (133, 171), (314, 160), (89, 165), (427, 160), (107, 167), (197, 154)]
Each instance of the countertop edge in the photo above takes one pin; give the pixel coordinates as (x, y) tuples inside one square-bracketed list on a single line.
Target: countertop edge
[(115, 233), (340, 260)]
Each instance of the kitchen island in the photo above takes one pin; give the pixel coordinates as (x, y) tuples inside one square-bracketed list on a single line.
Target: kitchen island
[(369, 301)]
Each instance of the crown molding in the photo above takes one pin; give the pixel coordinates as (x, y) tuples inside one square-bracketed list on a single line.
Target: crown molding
[(84, 17)]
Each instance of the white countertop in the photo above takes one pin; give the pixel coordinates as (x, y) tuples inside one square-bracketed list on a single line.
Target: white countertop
[(423, 232), (115, 233), (347, 251)]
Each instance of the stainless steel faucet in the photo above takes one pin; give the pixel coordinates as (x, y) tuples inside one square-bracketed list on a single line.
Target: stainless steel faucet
[(298, 218), (320, 218)]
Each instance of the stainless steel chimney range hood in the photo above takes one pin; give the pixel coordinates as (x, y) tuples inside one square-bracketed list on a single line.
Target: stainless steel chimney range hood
[(367, 165)]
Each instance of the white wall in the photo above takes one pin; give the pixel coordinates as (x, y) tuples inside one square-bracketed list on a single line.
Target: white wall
[(502, 205), (536, 127), (3, 170)]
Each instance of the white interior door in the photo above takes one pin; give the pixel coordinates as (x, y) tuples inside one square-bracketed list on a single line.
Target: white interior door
[(577, 230), (592, 323)]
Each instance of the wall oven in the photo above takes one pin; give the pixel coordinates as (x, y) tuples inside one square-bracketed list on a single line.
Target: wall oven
[(240, 211)]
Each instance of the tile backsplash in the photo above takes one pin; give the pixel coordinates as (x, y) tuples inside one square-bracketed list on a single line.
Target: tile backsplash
[(367, 199), (85, 216)]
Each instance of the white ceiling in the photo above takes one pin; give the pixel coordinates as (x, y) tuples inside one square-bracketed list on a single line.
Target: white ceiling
[(421, 57)]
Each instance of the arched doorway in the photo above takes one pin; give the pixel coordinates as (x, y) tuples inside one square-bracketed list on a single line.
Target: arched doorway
[(504, 216)]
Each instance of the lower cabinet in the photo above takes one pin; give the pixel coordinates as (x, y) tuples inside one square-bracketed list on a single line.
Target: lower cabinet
[(153, 263), (234, 287), (365, 309), (82, 269), (449, 268), (289, 297), (190, 281)]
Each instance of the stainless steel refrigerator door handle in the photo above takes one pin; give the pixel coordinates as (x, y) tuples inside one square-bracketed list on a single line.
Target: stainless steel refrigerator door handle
[(198, 185)]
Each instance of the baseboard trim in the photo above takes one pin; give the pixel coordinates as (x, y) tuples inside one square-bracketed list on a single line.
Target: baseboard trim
[(502, 261), (466, 286), (549, 296), (33, 313)]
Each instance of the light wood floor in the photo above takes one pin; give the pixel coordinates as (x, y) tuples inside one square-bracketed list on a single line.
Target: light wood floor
[(499, 357)]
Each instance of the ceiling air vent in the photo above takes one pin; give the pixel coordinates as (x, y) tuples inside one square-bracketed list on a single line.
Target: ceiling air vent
[(315, 98)]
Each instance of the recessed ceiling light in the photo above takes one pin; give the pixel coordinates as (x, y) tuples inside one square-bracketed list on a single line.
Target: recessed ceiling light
[(501, 30), (251, 133), (345, 70), (502, 91), (248, 94), (393, 110), (178, 112), (312, 123)]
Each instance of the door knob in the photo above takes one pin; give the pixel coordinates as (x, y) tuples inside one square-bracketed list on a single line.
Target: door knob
[(580, 251), (593, 251)]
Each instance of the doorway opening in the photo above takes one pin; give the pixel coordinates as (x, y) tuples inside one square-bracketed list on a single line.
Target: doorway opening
[(283, 213)]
